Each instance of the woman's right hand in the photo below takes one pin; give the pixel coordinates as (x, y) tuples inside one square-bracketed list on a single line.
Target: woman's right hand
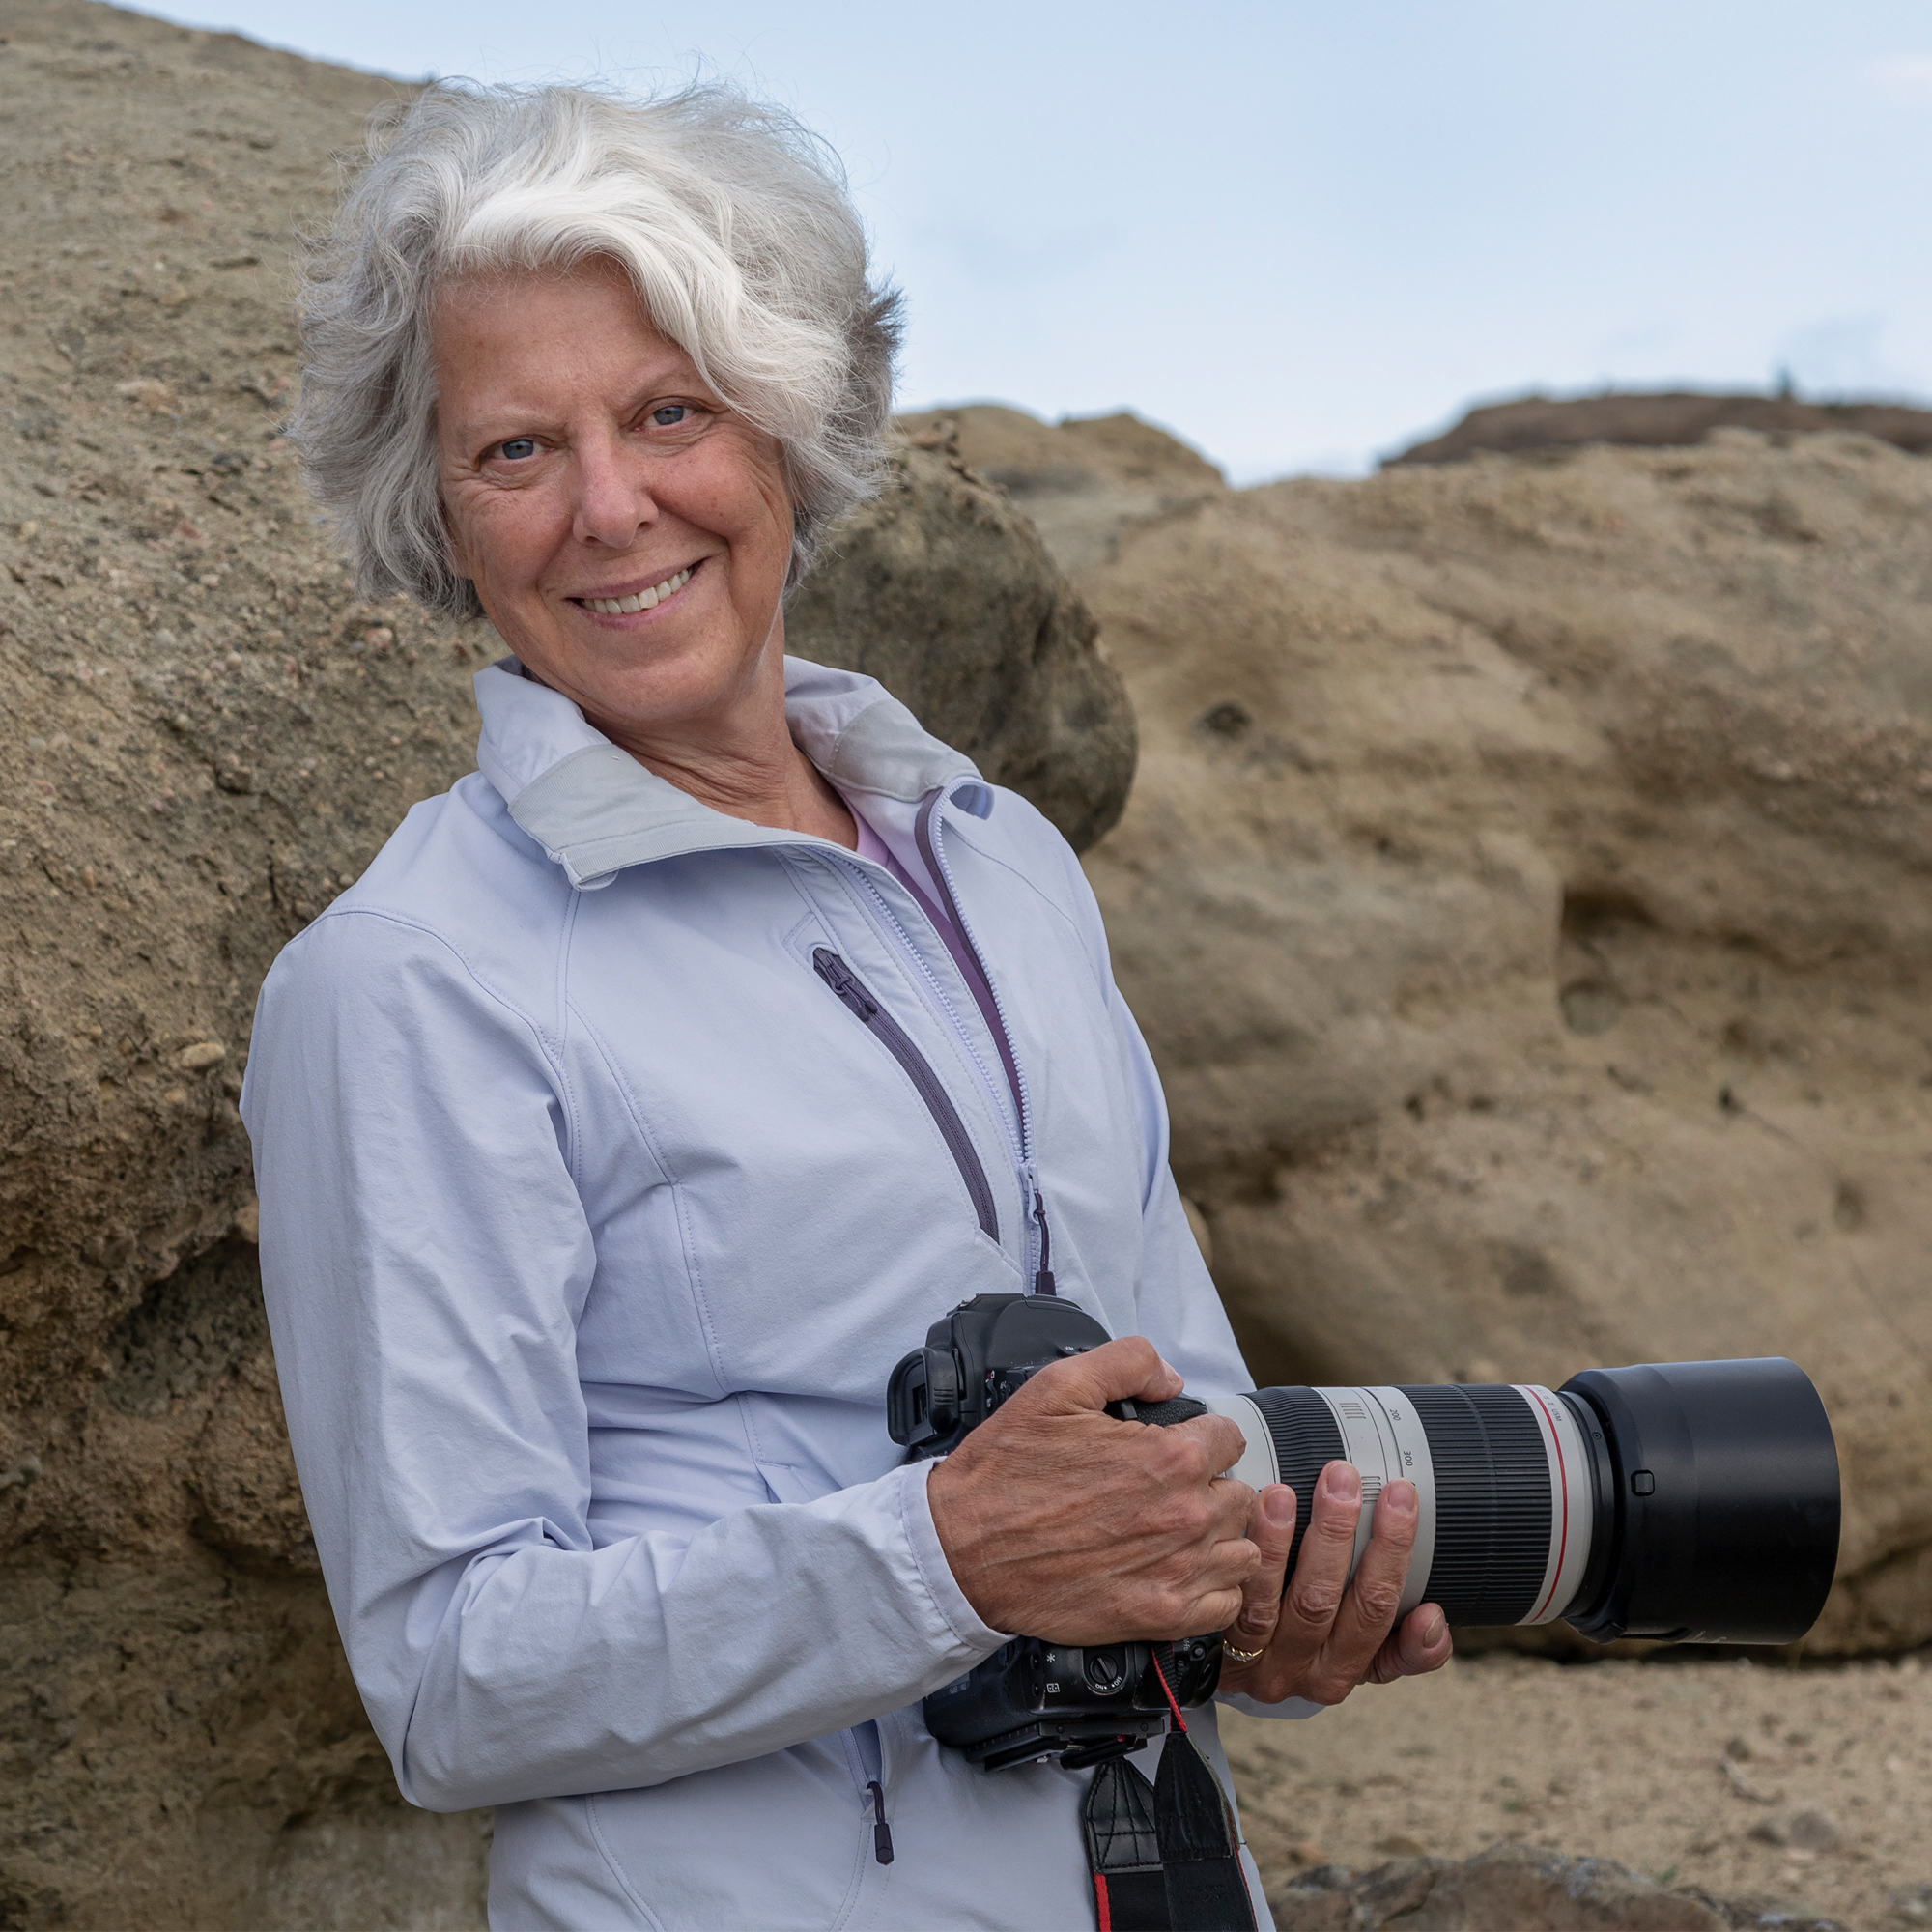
[(1062, 1522), (1330, 1630)]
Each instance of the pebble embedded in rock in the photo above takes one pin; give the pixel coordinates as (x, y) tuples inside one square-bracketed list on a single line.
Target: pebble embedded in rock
[(1812, 1830), (1912, 1906), (202, 1054), (1399, 1845)]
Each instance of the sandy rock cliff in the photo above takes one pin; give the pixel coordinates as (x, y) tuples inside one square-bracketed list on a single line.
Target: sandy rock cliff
[(209, 738), (1526, 893)]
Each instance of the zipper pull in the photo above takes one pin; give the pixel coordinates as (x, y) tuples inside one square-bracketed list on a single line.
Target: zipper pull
[(840, 978), (882, 1832), (1042, 1282)]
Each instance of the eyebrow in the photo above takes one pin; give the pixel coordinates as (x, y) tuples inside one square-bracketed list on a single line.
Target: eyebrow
[(531, 421)]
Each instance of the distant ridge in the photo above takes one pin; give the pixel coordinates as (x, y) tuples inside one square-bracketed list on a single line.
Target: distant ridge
[(1660, 421)]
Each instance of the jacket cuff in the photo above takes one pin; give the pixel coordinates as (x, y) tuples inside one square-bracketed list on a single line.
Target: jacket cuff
[(922, 1534), (1289, 1707)]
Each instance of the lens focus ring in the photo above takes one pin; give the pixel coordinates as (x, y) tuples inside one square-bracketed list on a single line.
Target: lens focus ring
[(1492, 1501)]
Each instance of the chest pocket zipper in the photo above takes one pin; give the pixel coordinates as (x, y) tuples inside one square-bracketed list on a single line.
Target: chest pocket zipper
[(860, 1003)]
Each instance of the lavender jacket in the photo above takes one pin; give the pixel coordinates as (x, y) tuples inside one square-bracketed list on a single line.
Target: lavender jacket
[(593, 1222)]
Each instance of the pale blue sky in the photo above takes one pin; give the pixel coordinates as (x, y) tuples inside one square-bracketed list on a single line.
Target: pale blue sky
[(1302, 234)]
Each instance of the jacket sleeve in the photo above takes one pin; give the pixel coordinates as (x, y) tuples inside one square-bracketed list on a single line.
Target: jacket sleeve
[(1181, 1308), (425, 1261)]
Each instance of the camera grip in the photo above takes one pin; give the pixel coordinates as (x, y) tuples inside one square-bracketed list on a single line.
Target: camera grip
[(1176, 1408)]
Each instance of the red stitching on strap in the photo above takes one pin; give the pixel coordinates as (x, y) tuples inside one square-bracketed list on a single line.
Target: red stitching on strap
[(1101, 1898), (1173, 1702)]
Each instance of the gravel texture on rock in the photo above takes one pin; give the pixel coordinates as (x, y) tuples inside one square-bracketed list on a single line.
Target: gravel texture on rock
[(1514, 1886), (1689, 1774), (208, 737)]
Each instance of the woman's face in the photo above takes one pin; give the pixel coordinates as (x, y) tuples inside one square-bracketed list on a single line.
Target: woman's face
[(585, 465)]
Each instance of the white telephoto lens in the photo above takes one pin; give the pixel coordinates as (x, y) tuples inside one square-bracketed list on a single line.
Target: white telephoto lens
[(1504, 1493)]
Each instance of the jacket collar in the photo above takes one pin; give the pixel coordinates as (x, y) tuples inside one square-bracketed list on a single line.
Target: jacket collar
[(595, 810)]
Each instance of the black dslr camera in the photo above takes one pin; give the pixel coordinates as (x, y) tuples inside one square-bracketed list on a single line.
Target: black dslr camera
[(1033, 1699)]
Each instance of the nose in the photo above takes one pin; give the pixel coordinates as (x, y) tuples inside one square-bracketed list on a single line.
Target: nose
[(613, 499)]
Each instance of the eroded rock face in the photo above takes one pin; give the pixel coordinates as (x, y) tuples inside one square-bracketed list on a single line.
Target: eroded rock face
[(205, 735), (209, 738), (1527, 893)]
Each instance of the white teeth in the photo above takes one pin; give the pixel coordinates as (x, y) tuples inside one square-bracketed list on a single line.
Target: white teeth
[(641, 600)]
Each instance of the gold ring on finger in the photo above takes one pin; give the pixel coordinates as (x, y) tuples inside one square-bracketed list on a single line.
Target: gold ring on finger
[(1239, 1655)]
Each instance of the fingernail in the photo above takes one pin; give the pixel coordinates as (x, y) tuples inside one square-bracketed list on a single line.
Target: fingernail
[(1432, 1632), (1400, 1498), (1278, 1506), (1344, 1483)]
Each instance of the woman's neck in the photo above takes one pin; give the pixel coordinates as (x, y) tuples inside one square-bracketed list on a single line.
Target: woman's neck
[(773, 785), (740, 759)]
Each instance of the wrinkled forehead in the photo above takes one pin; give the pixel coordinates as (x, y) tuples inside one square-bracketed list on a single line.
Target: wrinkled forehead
[(546, 339)]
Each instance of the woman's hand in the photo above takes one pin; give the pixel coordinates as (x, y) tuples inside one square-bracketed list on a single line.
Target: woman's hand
[(1063, 1522), (1329, 1633)]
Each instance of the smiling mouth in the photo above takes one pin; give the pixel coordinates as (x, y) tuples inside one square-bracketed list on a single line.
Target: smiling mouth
[(638, 600)]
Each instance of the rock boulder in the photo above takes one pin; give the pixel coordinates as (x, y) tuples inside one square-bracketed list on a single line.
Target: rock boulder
[(942, 590)]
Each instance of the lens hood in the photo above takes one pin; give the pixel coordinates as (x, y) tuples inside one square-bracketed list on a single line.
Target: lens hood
[(1723, 1479)]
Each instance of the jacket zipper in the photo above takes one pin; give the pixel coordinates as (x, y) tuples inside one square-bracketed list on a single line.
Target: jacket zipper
[(869, 1788), (945, 1004), (857, 999), (926, 831)]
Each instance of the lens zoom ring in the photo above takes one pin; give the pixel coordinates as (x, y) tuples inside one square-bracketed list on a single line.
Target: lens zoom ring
[(1305, 1440), (1492, 1502)]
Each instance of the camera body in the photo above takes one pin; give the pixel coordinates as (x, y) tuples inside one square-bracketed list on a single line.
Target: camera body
[(1033, 1699)]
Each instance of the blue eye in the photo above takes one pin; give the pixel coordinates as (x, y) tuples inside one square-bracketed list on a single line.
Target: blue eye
[(518, 447), (670, 414)]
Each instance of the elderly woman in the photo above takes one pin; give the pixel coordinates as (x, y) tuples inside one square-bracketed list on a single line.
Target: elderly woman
[(660, 1084)]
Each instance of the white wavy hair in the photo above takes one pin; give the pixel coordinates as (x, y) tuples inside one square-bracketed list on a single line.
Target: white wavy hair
[(732, 221)]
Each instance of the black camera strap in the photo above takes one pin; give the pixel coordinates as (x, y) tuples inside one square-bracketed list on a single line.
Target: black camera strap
[(1165, 1855)]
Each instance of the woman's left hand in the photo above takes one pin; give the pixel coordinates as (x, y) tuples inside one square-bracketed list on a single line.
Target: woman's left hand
[(1329, 1633)]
